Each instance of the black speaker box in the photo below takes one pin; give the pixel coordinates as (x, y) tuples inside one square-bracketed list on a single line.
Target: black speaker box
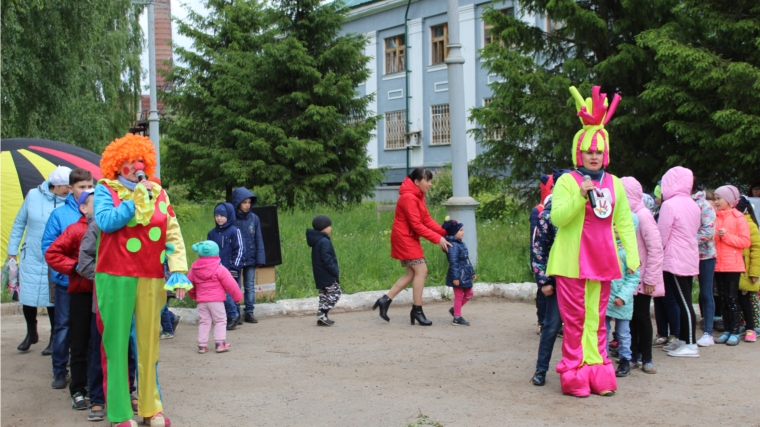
[(270, 233)]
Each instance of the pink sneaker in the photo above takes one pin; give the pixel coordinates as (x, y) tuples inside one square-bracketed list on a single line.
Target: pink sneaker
[(750, 336), (202, 349), (158, 420), (222, 347)]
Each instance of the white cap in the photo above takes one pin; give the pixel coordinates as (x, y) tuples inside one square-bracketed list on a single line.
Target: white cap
[(60, 176)]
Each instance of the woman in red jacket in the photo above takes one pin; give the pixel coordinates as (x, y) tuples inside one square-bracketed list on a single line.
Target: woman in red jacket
[(412, 221)]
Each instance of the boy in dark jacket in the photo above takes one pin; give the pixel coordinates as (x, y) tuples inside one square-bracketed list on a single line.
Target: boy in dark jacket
[(542, 245), (546, 182), (231, 251), (461, 273), (250, 229), (324, 264), (63, 256)]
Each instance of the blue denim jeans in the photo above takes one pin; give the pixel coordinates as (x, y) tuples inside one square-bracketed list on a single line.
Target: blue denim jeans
[(61, 334), (540, 306), (167, 318), (706, 299), (95, 377), (667, 314), (248, 279), (623, 334), (552, 323)]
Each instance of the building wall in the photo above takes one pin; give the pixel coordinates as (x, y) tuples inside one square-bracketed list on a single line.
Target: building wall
[(428, 83)]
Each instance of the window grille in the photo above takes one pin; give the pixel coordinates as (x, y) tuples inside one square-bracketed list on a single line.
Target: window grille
[(395, 54), (395, 129), (439, 119), (496, 133)]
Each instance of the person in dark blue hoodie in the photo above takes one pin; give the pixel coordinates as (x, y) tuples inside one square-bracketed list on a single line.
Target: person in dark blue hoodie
[(461, 274), (324, 265), (231, 252), (250, 229)]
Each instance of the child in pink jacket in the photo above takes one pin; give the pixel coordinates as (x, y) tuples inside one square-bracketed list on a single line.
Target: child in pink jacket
[(731, 238), (211, 283), (651, 285)]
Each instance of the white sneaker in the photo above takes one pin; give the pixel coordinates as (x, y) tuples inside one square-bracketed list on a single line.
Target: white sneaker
[(706, 340), (688, 350), (675, 345)]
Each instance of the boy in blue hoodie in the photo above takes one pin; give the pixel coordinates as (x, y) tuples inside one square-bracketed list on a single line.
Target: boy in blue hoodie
[(80, 180), (231, 252), (250, 229)]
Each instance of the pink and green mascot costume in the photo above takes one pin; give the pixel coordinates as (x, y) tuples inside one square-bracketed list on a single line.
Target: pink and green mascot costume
[(584, 258), (138, 233)]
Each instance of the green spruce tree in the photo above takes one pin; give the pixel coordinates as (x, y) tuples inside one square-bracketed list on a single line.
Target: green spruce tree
[(269, 101)]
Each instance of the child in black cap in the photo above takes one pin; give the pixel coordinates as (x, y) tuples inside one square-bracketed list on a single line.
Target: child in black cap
[(461, 272), (324, 264)]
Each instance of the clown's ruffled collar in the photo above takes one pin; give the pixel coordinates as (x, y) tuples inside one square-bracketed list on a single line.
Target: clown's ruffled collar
[(145, 205)]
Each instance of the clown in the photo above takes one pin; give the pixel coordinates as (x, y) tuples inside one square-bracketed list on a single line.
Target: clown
[(583, 260), (139, 231)]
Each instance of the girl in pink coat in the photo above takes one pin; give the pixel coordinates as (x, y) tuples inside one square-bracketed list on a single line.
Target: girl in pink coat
[(651, 285), (680, 219), (731, 238), (211, 284)]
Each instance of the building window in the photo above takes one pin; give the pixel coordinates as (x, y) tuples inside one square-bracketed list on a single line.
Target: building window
[(395, 54), (440, 37), (497, 133), (488, 28), (552, 26), (439, 123), (395, 129)]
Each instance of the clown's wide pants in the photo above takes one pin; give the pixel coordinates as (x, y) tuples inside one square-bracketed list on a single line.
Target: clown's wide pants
[(118, 299), (584, 367)]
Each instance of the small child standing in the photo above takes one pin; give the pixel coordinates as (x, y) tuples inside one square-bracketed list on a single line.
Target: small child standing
[(620, 308), (228, 238), (211, 281), (253, 243), (461, 274), (324, 264)]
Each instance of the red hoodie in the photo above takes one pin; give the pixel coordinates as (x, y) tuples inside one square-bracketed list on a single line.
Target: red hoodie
[(211, 281), (63, 255), (412, 221)]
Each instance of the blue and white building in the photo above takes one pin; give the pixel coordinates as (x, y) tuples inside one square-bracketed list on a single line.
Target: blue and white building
[(427, 142)]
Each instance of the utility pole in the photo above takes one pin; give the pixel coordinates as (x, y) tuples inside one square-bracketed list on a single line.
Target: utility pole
[(153, 112), (461, 206)]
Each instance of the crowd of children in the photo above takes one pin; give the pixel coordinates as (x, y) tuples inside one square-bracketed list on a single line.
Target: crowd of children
[(710, 236)]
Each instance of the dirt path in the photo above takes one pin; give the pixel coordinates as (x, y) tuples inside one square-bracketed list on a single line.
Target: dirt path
[(365, 372)]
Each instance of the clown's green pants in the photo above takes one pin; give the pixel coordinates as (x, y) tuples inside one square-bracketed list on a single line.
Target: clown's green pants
[(118, 299)]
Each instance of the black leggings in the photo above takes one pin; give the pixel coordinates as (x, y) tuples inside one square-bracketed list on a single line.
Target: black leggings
[(30, 315), (728, 289), (681, 286), (745, 302), (641, 327)]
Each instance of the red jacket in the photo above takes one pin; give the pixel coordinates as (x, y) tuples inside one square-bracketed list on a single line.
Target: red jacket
[(211, 281), (412, 221), (730, 247), (63, 255)]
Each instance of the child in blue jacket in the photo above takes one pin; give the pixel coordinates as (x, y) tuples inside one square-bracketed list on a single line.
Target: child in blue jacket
[(231, 252), (250, 229), (461, 273), (620, 308)]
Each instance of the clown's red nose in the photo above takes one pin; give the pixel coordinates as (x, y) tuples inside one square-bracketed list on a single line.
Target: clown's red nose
[(139, 166)]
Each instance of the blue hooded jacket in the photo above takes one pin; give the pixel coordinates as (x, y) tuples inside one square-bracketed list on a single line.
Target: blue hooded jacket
[(250, 228), (227, 236), (60, 219), (460, 267)]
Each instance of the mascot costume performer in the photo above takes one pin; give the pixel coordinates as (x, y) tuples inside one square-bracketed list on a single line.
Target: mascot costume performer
[(138, 232), (584, 257)]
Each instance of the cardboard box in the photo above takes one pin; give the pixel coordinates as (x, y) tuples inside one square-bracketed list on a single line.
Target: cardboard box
[(266, 286)]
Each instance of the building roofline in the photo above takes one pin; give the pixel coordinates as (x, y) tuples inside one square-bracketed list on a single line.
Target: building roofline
[(374, 6)]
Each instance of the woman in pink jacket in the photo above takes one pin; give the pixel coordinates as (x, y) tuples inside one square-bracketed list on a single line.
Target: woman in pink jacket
[(651, 255), (211, 284), (679, 224), (732, 237)]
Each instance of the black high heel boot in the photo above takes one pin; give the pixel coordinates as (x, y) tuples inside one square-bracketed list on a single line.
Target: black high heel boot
[(383, 302), (31, 337), (419, 316)]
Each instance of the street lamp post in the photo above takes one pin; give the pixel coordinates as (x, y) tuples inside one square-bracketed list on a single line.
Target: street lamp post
[(461, 206), (153, 112)]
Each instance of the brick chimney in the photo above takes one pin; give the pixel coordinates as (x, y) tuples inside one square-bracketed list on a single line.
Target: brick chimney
[(163, 28)]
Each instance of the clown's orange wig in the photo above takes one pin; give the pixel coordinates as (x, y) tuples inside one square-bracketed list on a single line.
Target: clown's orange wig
[(129, 148)]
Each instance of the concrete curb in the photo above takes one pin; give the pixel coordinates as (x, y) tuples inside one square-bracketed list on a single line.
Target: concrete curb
[(356, 302)]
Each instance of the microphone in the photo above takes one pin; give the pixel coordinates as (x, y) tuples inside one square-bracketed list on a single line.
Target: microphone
[(140, 174), (591, 194)]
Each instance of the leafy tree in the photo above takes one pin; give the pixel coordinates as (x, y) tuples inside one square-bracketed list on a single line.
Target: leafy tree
[(707, 90), (269, 101), (70, 69)]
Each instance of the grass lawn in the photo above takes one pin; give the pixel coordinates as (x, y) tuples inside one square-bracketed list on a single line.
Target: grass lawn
[(362, 244)]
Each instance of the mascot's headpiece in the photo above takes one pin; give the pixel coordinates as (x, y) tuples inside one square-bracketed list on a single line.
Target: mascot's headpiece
[(594, 113), (129, 148)]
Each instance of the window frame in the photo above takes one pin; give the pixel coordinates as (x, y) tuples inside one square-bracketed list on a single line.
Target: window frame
[(434, 59), (390, 128), (440, 134), (488, 27), (399, 51)]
